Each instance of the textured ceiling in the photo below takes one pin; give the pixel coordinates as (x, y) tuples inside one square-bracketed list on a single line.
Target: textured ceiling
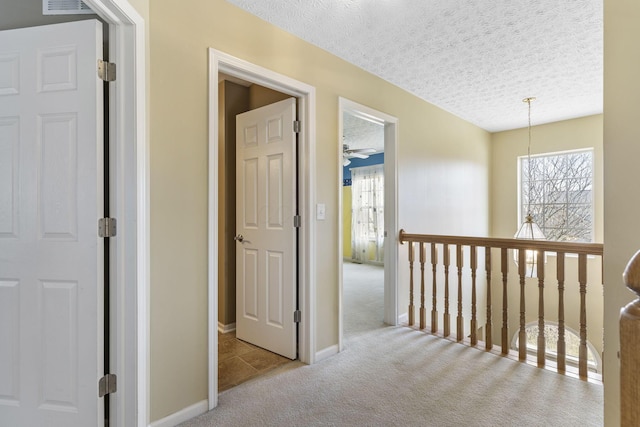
[(361, 133), (474, 58)]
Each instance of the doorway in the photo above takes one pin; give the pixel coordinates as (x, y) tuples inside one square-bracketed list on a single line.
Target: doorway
[(237, 68), (363, 220), (363, 129), (252, 340), (129, 203)]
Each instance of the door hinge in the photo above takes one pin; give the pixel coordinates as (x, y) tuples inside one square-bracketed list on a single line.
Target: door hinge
[(297, 316), (296, 126), (107, 385), (106, 70), (107, 227), (297, 221)]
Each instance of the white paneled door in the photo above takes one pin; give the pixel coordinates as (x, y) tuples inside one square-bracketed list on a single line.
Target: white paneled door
[(265, 233), (51, 196)]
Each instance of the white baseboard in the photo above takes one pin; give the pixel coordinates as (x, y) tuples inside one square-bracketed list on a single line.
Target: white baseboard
[(182, 415), (223, 329), (326, 353), (403, 318)]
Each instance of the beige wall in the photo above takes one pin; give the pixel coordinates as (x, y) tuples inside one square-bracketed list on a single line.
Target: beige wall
[(261, 96), (621, 176), (442, 164), (443, 189), (233, 100), (585, 132), (142, 7), (506, 146)]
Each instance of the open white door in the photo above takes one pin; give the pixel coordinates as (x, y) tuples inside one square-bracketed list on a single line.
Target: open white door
[(265, 232), (51, 196)]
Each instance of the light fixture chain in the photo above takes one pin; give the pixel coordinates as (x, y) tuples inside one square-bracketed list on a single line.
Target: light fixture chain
[(529, 160)]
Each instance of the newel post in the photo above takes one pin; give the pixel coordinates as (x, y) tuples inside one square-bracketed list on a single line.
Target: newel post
[(630, 348)]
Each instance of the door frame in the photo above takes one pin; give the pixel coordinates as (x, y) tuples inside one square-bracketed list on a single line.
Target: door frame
[(220, 62), (390, 209), (129, 200)]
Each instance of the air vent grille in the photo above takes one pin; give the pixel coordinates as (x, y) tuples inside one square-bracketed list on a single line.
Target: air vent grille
[(65, 7)]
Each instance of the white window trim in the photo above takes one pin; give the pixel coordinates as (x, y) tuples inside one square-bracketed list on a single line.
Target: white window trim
[(571, 360), (557, 153)]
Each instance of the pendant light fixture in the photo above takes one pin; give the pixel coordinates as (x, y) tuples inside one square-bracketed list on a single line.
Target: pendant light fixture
[(529, 230)]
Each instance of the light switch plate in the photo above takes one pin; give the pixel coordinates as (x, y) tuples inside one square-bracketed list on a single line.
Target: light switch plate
[(320, 211)]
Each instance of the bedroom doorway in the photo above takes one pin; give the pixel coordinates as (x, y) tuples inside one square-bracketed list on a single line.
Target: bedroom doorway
[(367, 226)]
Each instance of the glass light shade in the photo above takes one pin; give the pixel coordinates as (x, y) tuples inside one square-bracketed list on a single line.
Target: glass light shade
[(529, 230)]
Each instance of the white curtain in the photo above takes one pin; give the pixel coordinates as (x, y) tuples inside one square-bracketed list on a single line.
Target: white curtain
[(367, 214)]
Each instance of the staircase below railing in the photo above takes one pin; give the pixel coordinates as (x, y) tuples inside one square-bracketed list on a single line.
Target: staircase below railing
[(433, 245)]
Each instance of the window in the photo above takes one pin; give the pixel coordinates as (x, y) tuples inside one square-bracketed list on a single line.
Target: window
[(367, 214), (551, 335), (560, 197)]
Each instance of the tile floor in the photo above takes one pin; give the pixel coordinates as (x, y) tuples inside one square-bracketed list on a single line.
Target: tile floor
[(239, 361)]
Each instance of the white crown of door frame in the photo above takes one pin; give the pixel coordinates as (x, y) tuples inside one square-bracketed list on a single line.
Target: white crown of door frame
[(306, 94), (390, 209), (130, 205)]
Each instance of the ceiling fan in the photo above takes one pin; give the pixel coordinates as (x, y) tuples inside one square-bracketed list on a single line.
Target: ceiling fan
[(357, 153)]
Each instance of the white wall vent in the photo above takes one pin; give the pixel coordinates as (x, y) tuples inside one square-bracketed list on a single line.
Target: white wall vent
[(65, 7)]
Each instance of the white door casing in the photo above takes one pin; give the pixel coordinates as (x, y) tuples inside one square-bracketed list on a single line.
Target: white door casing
[(390, 209), (266, 251), (51, 196), (220, 62)]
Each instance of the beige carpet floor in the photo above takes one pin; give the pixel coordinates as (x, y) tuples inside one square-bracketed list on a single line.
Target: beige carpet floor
[(391, 376)]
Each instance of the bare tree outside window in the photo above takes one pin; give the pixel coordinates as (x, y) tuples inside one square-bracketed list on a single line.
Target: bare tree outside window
[(561, 194)]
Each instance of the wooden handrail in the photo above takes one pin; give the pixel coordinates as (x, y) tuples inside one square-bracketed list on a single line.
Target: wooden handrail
[(630, 348), (496, 242), (473, 333)]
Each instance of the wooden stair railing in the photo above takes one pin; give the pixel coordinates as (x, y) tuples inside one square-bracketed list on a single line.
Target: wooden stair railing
[(630, 348), (441, 244)]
